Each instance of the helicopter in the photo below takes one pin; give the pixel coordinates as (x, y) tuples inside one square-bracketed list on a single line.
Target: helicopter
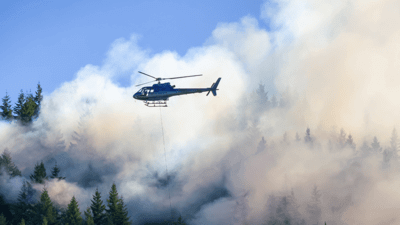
[(158, 94)]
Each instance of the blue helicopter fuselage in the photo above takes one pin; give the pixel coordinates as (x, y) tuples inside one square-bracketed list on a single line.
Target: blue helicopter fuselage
[(161, 92)]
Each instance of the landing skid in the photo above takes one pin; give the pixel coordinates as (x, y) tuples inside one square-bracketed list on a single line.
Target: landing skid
[(156, 103)]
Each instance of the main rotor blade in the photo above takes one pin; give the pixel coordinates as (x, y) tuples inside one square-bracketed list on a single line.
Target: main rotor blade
[(147, 75), (145, 83), (182, 77)]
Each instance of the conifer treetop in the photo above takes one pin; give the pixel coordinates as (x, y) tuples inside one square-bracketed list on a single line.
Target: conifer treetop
[(39, 174), (98, 209), (73, 216), (6, 111)]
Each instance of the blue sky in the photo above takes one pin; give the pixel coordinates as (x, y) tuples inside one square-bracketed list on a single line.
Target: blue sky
[(49, 41)]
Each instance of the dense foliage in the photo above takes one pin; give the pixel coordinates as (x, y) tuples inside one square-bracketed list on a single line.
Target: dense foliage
[(30, 212), (26, 109)]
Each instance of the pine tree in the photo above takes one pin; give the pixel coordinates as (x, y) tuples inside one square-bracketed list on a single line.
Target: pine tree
[(342, 139), (6, 113), (54, 173), (38, 99), (22, 209), (98, 209), (39, 174), (46, 209), (3, 220), (7, 163), (308, 138), (262, 97), (113, 211), (73, 216), (314, 207), (88, 215), (376, 147), (28, 110), (350, 142), (116, 212), (19, 105), (123, 217)]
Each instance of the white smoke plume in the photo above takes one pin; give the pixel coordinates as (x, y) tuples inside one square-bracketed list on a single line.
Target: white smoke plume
[(331, 65)]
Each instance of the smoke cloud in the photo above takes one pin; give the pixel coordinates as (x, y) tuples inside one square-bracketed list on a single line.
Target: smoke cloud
[(234, 158)]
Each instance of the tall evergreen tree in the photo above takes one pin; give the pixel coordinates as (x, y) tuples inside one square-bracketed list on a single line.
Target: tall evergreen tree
[(7, 163), (376, 147), (23, 209), (342, 139), (350, 142), (314, 206), (117, 212), (28, 110), (307, 137), (38, 99), (123, 213), (88, 217), (262, 97), (113, 210), (46, 209), (98, 209), (6, 111), (19, 105), (39, 174), (73, 216), (54, 173)]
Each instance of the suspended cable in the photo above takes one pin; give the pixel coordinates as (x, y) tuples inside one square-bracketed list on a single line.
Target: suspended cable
[(166, 166)]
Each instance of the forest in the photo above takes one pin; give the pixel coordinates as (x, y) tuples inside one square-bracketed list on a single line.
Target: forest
[(283, 207)]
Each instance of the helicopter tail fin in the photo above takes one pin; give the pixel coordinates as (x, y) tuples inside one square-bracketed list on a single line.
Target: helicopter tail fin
[(214, 87)]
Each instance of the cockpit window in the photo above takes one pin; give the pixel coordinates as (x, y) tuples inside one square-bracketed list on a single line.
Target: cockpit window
[(146, 91)]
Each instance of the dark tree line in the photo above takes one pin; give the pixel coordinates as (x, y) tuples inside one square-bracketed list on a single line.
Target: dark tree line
[(26, 109), (30, 211)]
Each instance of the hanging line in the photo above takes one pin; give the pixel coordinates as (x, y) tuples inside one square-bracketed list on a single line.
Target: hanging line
[(166, 167)]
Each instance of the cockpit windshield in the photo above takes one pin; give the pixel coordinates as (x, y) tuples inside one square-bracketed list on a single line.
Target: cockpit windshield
[(145, 91)]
